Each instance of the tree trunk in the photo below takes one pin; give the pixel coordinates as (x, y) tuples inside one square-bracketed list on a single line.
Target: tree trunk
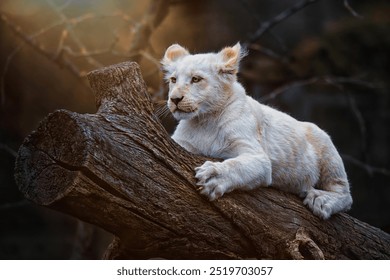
[(119, 169)]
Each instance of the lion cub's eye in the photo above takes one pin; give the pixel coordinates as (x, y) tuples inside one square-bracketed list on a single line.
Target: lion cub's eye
[(196, 80), (173, 80)]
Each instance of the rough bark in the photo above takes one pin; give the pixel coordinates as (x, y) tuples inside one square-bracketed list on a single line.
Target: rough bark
[(119, 169)]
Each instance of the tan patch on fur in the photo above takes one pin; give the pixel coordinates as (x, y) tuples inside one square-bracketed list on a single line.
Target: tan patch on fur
[(230, 57), (313, 140), (229, 53), (330, 177), (174, 52)]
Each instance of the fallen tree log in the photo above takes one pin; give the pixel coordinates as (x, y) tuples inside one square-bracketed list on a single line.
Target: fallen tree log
[(119, 169)]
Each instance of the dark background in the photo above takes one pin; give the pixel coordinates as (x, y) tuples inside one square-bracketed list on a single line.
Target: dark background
[(328, 63)]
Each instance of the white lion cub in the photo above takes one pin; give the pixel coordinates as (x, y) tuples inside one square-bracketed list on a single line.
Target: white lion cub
[(260, 145)]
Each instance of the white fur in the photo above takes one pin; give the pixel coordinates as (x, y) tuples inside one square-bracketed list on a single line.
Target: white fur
[(260, 145)]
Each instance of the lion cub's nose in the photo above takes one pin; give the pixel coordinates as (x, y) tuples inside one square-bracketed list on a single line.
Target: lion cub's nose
[(176, 100)]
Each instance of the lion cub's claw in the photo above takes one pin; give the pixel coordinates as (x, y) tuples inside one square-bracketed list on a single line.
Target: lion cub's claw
[(211, 182)]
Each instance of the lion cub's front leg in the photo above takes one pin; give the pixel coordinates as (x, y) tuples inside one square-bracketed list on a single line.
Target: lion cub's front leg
[(246, 171)]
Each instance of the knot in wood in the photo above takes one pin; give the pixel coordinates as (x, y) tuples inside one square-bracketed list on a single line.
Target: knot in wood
[(304, 248)]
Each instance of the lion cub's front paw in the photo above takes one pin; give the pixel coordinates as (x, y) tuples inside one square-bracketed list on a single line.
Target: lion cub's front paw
[(211, 179)]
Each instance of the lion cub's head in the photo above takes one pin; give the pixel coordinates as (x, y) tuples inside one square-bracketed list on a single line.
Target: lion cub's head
[(200, 83)]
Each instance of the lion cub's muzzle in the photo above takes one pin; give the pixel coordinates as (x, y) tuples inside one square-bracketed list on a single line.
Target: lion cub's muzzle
[(181, 104)]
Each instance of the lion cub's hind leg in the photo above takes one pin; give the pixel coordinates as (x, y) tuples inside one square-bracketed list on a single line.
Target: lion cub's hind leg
[(332, 193)]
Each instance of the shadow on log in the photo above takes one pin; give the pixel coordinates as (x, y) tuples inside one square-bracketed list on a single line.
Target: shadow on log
[(119, 169)]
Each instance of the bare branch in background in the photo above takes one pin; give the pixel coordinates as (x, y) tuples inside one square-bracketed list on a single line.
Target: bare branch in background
[(268, 52), (371, 170), (275, 93), (155, 14), (351, 10), (16, 204), (330, 80), (142, 30), (69, 23), (9, 150), (65, 5), (4, 72), (360, 121), (64, 55), (34, 44), (267, 25), (109, 50), (248, 7)]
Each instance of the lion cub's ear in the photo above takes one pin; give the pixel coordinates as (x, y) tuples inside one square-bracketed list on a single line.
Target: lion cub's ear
[(173, 53), (230, 57)]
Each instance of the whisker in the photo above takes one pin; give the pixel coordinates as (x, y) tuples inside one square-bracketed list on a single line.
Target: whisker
[(165, 113), (162, 109)]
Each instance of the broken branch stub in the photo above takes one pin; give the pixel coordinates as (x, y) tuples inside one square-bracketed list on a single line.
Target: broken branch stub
[(119, 169), (120, 90)]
